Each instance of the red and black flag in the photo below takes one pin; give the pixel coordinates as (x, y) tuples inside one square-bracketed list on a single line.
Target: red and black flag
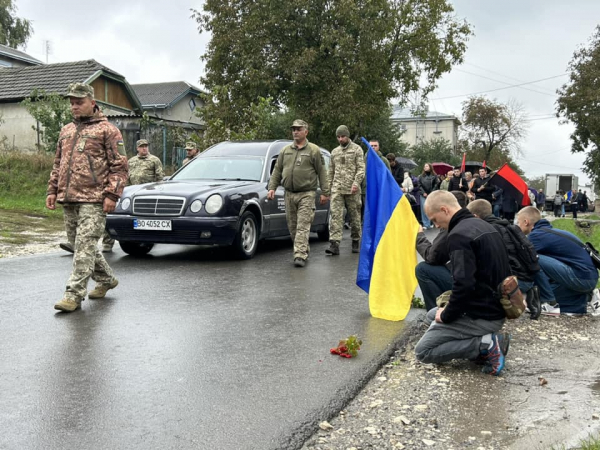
[(512, 184)]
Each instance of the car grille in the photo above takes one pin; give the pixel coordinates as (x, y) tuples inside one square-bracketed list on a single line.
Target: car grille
[(158, 206)]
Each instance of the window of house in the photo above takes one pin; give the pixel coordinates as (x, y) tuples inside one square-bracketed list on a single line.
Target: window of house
[(192, 104)]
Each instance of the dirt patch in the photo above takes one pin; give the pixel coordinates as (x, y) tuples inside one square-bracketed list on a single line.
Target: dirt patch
[(549, 394), (27, 233)]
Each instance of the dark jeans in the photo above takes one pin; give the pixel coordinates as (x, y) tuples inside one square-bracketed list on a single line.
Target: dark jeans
[(433, 281), (570, 291), (574, 210)]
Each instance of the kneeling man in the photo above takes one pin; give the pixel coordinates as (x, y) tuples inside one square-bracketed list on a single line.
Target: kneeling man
[(467, 327), (571, 274)]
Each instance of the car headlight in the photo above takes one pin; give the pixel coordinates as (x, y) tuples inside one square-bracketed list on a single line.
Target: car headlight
[(213, 204), (125, 203), (196, 206)]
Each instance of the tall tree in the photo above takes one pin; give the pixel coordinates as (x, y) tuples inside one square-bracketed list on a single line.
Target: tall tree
[(14, 31), (331, 61), (433, 150), (494, 125), (579, 103)]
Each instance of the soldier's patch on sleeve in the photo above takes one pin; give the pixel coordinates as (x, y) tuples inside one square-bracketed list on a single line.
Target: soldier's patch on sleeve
[(121, 148)]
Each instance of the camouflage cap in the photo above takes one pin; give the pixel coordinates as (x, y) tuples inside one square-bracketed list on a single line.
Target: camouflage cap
[(299, 123), (190, 145), (80, 90), (141, 143)]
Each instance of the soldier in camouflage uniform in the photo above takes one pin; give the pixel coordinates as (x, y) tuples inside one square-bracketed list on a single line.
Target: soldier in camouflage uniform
[(192, 152), (346, 173), (88, 177), (300, 169), (143, 168)]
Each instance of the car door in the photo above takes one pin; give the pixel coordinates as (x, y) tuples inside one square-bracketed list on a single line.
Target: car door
[(276, 208), (322, 211)]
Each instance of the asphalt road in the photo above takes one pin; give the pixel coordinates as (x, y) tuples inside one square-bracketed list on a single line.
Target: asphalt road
[(193, 350)]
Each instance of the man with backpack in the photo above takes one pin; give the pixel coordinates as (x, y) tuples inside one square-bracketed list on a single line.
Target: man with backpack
[(522, 257), (558, 202), (570, 274)]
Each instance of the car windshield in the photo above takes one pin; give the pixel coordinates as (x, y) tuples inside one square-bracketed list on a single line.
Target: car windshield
[(237, 168)]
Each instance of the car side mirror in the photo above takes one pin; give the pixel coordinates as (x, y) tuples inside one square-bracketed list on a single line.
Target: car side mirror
[(166, 178)]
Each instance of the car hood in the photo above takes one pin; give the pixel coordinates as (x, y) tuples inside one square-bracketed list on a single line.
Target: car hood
[(184, 188)]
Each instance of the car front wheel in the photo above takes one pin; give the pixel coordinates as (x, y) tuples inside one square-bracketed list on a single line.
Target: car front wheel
[(246, 240), (136, 248)]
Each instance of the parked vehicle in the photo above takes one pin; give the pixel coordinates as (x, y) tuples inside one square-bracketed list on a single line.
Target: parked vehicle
[(219, 198), (558, 182)]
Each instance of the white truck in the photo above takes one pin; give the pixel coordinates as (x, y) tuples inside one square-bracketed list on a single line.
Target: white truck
[(563, 182)]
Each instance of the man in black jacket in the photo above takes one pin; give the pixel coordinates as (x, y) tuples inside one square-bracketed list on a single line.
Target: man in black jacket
[(482, 188), (458, 182), (432, 273), (522, 256), (467, 327)]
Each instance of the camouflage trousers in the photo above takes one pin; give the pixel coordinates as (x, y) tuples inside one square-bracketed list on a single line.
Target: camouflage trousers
[(336, 224), (84, 223), (299, 213)]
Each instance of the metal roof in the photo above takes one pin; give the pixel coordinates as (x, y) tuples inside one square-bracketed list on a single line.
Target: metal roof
[(162, 95), (406, 114), (19, 55)]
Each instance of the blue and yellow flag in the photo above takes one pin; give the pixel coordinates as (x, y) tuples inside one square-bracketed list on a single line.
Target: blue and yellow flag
[(388, 257)]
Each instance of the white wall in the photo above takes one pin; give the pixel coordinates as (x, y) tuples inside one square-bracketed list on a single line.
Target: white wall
[(17, 127), (428, 130)]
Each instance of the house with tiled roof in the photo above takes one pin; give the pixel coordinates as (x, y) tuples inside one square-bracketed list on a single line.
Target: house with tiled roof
[(113, 94), (175, 100), (425, 126), (11, 57)]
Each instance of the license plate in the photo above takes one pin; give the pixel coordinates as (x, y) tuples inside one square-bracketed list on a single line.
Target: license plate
[(145, 224)]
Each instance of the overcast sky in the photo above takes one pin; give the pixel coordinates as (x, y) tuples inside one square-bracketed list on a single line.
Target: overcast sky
[(515, 42)]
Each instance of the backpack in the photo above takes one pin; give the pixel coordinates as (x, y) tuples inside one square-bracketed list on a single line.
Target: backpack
[(526, 253), (558, 200)]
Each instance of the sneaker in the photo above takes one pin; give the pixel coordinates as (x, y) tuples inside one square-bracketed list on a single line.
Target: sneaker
[(595, 304), (107, 248), (549, 310), (67, 247), (334, 248), (494, 357), (503, 341), (355, 246), (534, 306), (67, 305), (346, 226), (299, 262), (101, 290)]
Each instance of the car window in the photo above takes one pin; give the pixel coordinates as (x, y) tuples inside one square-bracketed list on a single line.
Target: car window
[(238, 168)]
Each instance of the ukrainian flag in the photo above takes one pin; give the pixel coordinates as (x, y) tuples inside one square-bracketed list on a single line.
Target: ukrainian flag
[(386, 268)]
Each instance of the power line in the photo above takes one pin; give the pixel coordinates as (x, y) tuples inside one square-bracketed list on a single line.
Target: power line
[(502, 88), (504, 82), (502, 75)]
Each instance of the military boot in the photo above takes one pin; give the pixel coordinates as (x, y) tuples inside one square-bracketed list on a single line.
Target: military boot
[(334, 248), (101, 289), (355, 246), (67, 305), (533, 303)]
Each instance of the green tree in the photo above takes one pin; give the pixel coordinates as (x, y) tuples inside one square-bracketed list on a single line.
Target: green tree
[(477, 152), (14, 31), (579, 103), (331, 61), (493, 125), (52, 112), (433, 150), (536, 182)]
